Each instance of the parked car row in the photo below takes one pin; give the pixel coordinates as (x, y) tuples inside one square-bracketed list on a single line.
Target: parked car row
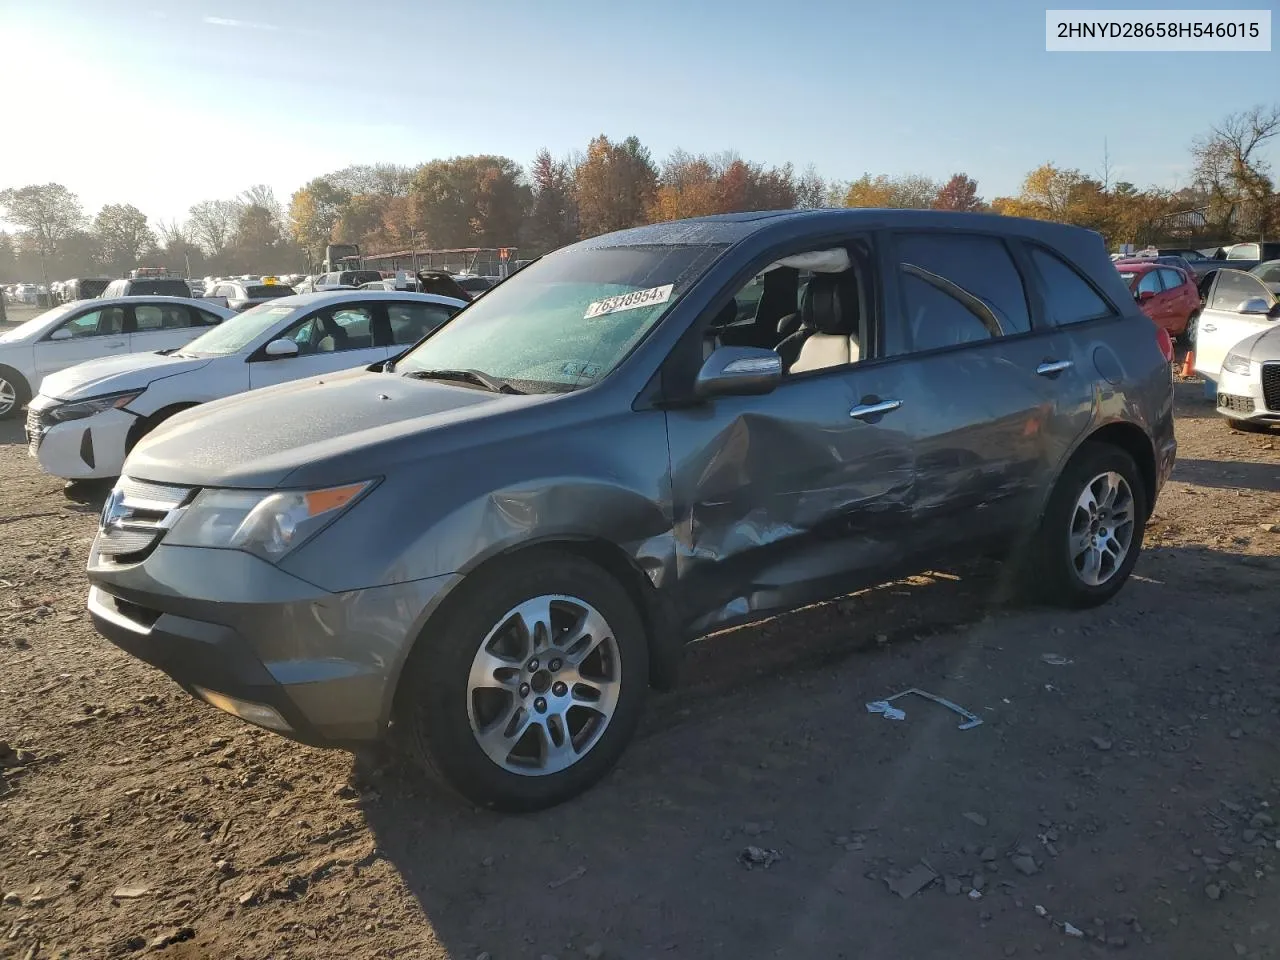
[(492, 525)]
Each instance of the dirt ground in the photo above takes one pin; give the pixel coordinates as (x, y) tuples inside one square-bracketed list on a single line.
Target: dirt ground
[(1121, 795)]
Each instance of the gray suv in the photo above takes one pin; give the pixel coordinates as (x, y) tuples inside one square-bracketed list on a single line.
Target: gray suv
[(494, 543)]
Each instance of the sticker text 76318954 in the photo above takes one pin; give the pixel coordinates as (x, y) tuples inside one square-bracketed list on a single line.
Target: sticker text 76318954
[(629, 301)]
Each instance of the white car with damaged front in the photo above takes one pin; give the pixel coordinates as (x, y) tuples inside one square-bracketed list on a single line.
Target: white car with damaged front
[(87, 419)]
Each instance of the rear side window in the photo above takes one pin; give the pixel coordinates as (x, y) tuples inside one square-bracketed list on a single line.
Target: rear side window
[(1068, 296), (410, 322), (267, 291), (155, 317), (958, 289), (1150, 282), (1172, 279), (1243, 251)]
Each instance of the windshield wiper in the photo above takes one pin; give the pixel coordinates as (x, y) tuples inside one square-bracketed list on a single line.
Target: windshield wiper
[(492, 384)]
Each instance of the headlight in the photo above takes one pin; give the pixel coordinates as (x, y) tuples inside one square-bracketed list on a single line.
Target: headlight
[(263, 523), (1236, 364), (87, 408)]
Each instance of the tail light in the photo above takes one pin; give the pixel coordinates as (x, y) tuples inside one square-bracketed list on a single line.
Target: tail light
[(1166, 343)]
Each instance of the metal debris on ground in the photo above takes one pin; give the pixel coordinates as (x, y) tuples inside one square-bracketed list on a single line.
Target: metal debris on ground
[(576, 875), (1055, 659), (1071, 930), (753, 856), (883, 706), (913, 881), (890, 713)]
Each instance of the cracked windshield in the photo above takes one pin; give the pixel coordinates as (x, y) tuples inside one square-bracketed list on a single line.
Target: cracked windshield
[(701, 480)]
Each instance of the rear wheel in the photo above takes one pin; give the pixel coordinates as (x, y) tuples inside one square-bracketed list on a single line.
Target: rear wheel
[(1091, 533), (529, 688), (14, 393)]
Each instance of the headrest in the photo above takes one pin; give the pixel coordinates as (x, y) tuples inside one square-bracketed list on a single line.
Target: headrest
[(830, 303)]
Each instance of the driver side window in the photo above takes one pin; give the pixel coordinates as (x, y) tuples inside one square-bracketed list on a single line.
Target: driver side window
[(1232, 288), (106, 322)]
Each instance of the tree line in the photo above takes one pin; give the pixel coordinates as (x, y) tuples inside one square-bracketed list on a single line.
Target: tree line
[(493, 201)]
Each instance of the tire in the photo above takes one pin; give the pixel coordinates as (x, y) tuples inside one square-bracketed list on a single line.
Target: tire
[(1055, 574), (14, 393), (1188, 338), (442, 717), (1246, 426)]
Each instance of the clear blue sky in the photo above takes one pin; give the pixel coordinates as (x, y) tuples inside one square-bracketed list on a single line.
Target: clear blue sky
[(166, 102)]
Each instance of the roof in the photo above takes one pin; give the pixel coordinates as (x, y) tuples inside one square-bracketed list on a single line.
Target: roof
[(328, 297), (729, 228)]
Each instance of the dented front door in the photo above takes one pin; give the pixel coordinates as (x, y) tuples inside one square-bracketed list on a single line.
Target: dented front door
[(779, 499)]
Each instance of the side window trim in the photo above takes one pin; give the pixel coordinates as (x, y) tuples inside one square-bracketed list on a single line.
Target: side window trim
[(986, 316)]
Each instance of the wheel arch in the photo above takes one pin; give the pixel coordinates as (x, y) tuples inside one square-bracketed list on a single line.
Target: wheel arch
[(665, 639), (20, 382), (1134, 441), (145, 424)]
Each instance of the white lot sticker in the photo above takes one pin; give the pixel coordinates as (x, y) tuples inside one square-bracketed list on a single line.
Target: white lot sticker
[(629, 301)]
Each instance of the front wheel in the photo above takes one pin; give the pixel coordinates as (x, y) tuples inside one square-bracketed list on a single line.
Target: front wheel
[(14, 393), (529, 687), (1091, 532)]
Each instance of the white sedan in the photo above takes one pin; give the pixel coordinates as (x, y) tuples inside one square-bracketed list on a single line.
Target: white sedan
[(1238, 348), (87, 419), (81, 330)]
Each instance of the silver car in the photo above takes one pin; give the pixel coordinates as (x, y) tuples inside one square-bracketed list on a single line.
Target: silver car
[(496, 542)]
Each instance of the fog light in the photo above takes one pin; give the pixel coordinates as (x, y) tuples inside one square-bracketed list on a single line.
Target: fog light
[(258, 714)]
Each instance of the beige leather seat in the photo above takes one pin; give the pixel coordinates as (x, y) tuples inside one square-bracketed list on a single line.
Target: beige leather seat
[(830, 314)]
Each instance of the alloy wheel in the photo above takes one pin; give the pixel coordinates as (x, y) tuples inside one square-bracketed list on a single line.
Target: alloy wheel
[(1102, 526), (8, 396), (544, 685)]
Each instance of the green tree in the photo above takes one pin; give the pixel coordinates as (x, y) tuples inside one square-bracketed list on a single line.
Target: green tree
[(553, 214), (47, 212), (123, 235), (470, 201)]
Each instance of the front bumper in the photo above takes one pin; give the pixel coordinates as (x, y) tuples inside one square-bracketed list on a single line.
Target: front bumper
[(87, 449), (229, 623), (1242, 396)]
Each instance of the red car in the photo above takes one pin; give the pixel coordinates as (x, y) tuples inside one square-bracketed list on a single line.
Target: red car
[(1168, 295)]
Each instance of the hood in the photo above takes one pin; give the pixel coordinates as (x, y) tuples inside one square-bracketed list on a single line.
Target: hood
[(309, 432), (130, 371), (1262, 347)]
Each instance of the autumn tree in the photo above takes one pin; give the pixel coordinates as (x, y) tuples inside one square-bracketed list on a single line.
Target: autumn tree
[(688, 187), (213, 225), (911, 191), (553, 214), (257, 241), (314, 211), (959, 193), (362, 221), (379, 179), (47, 212), (1231, 168), (123, 235), (616, 184)]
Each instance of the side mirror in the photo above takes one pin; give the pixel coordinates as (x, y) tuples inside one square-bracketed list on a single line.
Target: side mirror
[(1254, 306), (1146, 295), (738, 371), (282, 348), (62, 334)]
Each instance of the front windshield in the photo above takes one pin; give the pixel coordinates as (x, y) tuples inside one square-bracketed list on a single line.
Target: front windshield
[(35, 324), (567, 320), (231, 336)]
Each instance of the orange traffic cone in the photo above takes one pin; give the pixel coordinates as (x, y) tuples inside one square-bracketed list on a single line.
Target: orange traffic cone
[(1189, 365)]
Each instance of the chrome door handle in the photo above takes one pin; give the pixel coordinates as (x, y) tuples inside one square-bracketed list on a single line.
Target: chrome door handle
[(863, 411), (1050, 367)]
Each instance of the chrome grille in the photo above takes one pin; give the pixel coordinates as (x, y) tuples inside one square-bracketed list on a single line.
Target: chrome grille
[(136, 516), (1271, 386)]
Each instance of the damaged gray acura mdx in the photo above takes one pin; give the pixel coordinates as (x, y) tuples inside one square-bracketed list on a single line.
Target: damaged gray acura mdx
[(495, 542)]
